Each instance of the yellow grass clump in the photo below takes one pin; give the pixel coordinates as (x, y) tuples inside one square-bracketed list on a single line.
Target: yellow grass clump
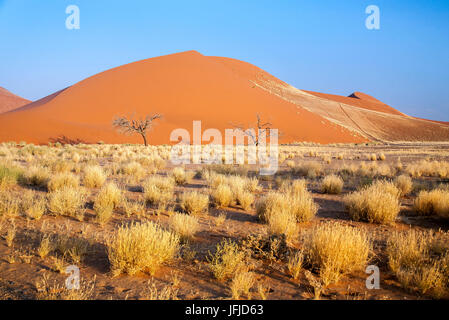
[(194, 203), (158, 190), (227, 260), (179, 175), (335, 250), (377, 203), (67, 201), (433, 202), (222, 196), (94, 177), (141, 247), (63, 180), (241, 284), (185, 226), (404, 184), (9, 204), (417, 267), (332, 184), (36, 176), (9, 176)]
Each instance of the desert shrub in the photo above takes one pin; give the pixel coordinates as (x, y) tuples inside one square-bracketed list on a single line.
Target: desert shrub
[(310, 169), (298, 204), (67, 201), (94, 177), (404, 184), (184, 225), (282, 223), (9, 176), (241, 284), (382, 157), (227, 260), (428, 169), (133, 169), (133, 207), (61, 166), (377, 203), (245, 199), (110, 194), (332, 184), (412, 260), (36, 176), (194, 203), (34, 207), (295, 264), (433, 202), (335, 250), (293, 187), (63, 180), (179, 176), (222, 196), (158, 190), (9, 204), (141, 247)]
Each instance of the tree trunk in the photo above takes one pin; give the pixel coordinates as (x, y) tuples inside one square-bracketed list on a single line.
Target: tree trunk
[(144, 140)]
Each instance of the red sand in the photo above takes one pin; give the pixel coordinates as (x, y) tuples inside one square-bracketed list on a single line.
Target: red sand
[(183, 87), (218, 91), (9, 101)]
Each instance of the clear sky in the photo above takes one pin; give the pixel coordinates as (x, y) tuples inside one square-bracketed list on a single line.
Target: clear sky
[(319, 45)]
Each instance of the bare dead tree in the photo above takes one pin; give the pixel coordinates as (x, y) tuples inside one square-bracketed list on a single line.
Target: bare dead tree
[(260, 129), (129, 125)]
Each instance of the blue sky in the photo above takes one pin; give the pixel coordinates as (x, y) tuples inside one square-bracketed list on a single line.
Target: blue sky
[(320, 45)]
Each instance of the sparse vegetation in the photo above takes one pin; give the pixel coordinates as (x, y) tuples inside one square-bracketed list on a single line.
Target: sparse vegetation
[(141, 247), (335, 250), (376, 203)]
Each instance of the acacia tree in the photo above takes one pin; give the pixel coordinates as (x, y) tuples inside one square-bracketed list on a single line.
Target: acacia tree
[(260, 129), (131, 126)]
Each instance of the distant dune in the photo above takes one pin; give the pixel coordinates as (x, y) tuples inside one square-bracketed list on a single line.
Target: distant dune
[(9, 101), (218, 91)]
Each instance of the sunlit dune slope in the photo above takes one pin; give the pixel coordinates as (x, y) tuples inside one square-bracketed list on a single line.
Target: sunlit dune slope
[(183, 87)]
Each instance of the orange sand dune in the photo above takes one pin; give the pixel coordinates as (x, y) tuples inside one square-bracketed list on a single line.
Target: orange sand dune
[(183, 87), (218, 91), (9, 101)]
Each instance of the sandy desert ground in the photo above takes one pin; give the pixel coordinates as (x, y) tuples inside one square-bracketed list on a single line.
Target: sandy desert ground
[(140, 228)]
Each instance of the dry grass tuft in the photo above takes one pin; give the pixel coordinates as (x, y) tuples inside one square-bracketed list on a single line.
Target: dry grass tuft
[(222, 196), (295, 264), (179, 176), (377, 203), (94, 177), (141, 247), (67, 202), (158, 190), (9, 176), (404, 184), (332, 184), (241, 284), (184, 225), (433, 202), (63, 180), (412, 260), (194, 203), (227, 261), (106, 201), (335, 250)]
